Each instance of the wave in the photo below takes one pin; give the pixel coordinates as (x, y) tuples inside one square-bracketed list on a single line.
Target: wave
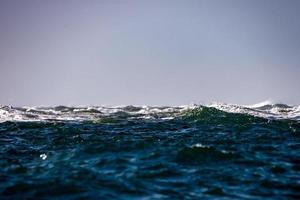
[(101, 113), (260, 104)]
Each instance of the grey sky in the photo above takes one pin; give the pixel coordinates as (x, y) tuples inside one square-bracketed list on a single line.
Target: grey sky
[(68, 52)]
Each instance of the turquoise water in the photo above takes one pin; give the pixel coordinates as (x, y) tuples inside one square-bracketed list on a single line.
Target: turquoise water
[(215, 152)]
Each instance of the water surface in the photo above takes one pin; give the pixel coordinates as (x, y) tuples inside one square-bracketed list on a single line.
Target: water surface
[(213, 152)]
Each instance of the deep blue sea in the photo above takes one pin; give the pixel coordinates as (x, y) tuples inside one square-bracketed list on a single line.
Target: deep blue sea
[(218, 151)]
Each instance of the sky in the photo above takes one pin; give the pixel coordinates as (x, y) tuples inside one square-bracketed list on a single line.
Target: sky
[(156, 52)]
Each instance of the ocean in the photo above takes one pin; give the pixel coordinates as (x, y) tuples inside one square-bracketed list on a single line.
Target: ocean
[(216, 151)]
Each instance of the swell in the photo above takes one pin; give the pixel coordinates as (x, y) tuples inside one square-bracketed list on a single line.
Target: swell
[(213, 113)]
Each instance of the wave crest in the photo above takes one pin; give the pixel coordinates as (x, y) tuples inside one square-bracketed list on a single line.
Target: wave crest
[(209, 113)]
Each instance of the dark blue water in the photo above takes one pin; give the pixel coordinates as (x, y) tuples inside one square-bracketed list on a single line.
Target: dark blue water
[(196, 153)]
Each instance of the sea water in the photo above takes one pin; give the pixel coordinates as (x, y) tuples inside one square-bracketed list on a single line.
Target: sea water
[(217, 151)]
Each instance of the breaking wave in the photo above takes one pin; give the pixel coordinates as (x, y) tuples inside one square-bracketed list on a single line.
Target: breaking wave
[(96, 113)]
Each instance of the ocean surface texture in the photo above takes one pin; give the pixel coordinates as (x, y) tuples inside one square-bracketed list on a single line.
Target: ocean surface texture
[(218, 151)]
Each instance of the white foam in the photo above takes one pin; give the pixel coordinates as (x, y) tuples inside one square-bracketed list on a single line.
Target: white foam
[(260, 104), (274, 111), (43, 156)]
